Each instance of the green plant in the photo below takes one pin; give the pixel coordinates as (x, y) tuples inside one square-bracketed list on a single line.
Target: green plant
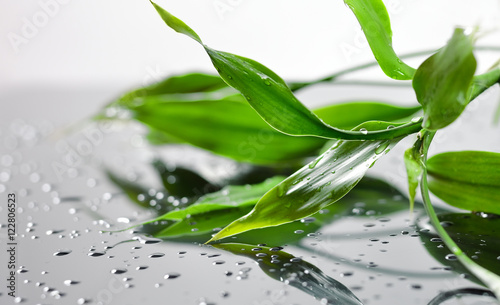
[(249, 101)]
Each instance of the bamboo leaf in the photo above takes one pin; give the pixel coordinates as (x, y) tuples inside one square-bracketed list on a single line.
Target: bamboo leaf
[(187, 83), (212, 211), (315, 186), (442, 83), (230, 127), (294, 271), (269, 95), (374, 20), (468, 180)]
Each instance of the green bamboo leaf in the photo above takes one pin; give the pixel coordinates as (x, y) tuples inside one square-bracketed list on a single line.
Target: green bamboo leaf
[(269, 95), (442, 83), (175, 23), (211, 211), (315, 186), (230, 127), (468, 180), (187, 83), (374, 20), (294, 271)]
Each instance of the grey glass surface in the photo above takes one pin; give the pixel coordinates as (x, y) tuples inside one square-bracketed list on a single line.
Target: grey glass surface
[(66, 202)]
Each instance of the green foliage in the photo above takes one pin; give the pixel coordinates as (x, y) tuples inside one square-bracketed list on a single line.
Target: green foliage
[(251, 114), (469, 180), (374, 20), (442, 82), (315, 186)]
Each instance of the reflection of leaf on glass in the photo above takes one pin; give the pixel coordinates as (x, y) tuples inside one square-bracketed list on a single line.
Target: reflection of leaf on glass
[(295, 272), (478, 237)]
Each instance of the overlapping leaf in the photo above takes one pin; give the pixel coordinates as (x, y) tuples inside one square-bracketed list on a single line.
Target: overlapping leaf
[(442, 83), (315, 186), (268, 94), (374, 20), (229, 127), (468, 180)]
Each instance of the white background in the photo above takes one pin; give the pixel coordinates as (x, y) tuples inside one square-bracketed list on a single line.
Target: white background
[(123, 43)]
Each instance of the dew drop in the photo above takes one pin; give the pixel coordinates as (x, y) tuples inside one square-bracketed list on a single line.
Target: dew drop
[(156, 255), (219, 262), (451, 257), (62, 252), (96, 254), (171, 275), (119, 271), (363, 131), (298, 231)]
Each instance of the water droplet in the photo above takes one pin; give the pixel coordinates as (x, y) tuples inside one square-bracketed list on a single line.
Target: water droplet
[(416, 119), (219, 262), (70, 282), (436, 240), (142, 268), (446, 223), (119, 271), (380, 149), (416, 286), (281, 189), (267, 82), (96, 254), (62, 252), (347, 273), (156, 255), (315, 162), (298, 231), (261, 254), (363, 131), (295, 260), (451, 257), (171, 275)]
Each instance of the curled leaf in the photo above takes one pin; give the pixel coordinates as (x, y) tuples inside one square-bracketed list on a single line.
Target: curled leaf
[(443, 82)]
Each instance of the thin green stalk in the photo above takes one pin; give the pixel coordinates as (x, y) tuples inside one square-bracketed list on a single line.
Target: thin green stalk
[(298, 86), (489, 278)]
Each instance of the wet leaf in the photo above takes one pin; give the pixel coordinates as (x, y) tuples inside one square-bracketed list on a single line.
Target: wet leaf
[(368, 191), (468, 180), (374, 20), (478, 237), (269, 95), (442, 82), (212, 210), (315, 186), (413, 164), (294, 271)]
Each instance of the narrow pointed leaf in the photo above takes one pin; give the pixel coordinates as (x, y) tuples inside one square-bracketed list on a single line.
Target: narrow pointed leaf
[(188, 83), (284, 267), (212, 210), (230, 127), (468, 180), (315, 186), (442, 83), (269, 95), (175, 23), (374, 20)]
